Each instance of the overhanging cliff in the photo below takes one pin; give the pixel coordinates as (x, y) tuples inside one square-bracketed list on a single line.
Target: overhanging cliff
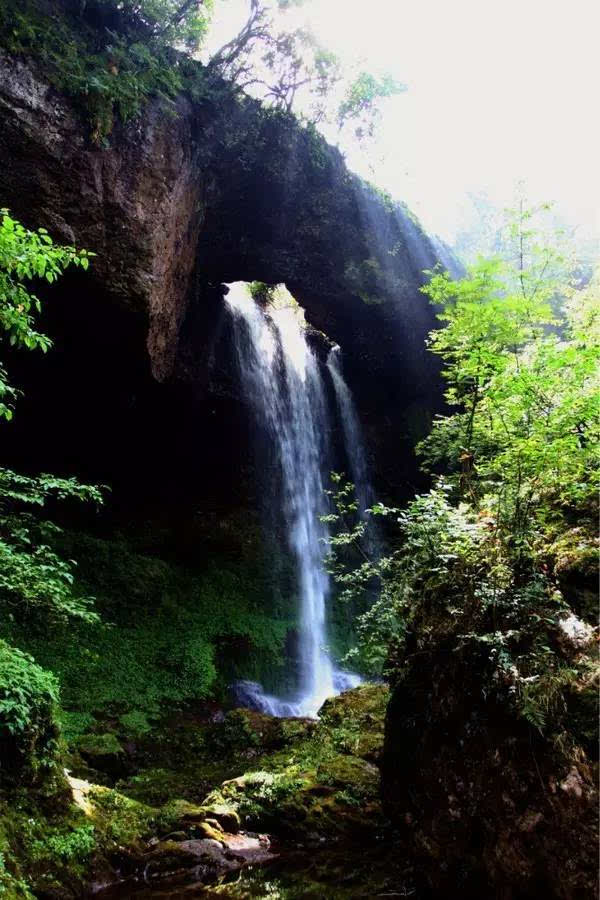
[(211, 189)]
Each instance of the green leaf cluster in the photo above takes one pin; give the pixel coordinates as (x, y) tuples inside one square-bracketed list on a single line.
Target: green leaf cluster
[(28, 724), (360, 102), (174, 22), (521, 353), (33, 577), (24, 256)]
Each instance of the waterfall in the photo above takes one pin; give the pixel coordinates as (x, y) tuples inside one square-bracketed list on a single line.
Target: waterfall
[(355, 447), (281, 378)]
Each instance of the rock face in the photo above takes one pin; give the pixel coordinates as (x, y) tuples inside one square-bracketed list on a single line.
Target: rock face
[(179, 201), (136, 204), (487, 806)]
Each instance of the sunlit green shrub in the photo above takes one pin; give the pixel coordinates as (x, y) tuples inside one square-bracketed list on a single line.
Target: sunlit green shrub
[(70, 846), (28, 722)]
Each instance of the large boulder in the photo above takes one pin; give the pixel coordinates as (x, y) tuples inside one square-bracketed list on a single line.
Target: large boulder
[(324, 785), (487, 806)]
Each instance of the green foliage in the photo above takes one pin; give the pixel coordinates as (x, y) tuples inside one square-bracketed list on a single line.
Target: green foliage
[(32, 576), (169, 634), (362, 580), (28, 724), (11, 886), (454, 579), (135, 723), (175, 22), (72, 846), (474, 567), (110, 72), (111, 57), (74, 723), (286, 66), (121, 820), (281, 63), (34, 579), (360, 102), (524, 439), (261, 292), (25, 255)]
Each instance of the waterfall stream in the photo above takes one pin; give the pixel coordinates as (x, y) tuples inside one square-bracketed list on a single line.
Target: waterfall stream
[(281, 378), (355, 448)]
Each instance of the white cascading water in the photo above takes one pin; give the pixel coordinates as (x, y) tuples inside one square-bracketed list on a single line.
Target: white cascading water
[(281, 376), (354, 444)]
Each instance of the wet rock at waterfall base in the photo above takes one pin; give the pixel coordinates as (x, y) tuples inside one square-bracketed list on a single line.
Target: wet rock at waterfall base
[(309, 783), (251, 733), (250, 694), (324, 784), (208, 857)]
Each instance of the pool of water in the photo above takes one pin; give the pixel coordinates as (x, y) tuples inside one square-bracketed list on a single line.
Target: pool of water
[(327, 874)]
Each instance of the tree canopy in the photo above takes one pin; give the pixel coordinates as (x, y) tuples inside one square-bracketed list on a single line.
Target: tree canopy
[(287, 66)]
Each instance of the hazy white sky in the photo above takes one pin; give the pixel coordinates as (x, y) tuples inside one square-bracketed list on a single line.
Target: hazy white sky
[(497, 91)]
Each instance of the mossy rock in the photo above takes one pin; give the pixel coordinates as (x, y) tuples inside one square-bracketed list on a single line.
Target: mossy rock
[(211, 830), (155, 787), (168, 858), (179, 815), (364, 705), (339, 799), (250, 732), (359, 778), (193, 778), (257, 799), (323, 782), (292, 730), (196, 757), (55, 846), (102, 752), (121, 820), (223, 812), (575, 554), (355, 720)]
